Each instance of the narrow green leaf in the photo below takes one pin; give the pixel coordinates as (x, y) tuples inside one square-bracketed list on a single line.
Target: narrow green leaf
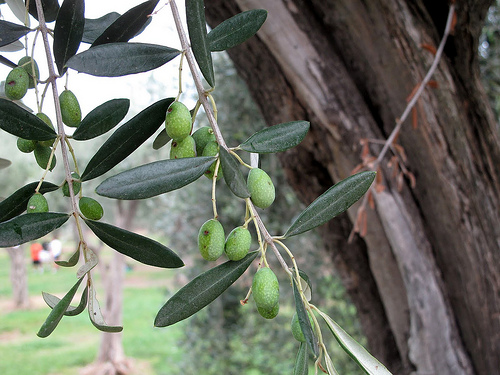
[(304, 322), (19, 122), (155, 178), (50, 9), (140, 248), (128, 25), (201, 291), (306, 285), (19, 10), (126, 139), (52, 302), (329, 365), (331, 203), (16, 203), (355, 350), (57, 312), (301, 367), (119, 59), (29, 227), (232, 174), (197, 28), (236, 29), (68, 31), (90, 262), (11, 32), (276, 138), (4, 163), (95, 314), (102, 119), (94, 27), (72, 261), (161, 139)]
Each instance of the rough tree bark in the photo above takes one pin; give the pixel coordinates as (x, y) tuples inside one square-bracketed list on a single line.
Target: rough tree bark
[(19, 277), (426, 277), (111, 358)]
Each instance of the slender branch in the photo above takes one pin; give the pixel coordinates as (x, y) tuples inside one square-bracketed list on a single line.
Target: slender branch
[(60, 126)]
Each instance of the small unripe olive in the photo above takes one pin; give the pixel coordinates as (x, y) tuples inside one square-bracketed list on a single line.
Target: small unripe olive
[(90, 208), (76, 185), (261, 188), (37, 203), (296, 330), (211, 239), (238, 243), (42, 156), (201, 137), (70, 109), (46, 119), (178, 121), (212, 149), (265, 289), (184, 148), (25, 145), (27, 65), (16, 84)]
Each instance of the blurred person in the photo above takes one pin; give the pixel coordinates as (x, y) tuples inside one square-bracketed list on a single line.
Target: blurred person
[(36, 248)]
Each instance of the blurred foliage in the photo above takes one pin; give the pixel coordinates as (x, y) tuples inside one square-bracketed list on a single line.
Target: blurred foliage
[(489, 52)]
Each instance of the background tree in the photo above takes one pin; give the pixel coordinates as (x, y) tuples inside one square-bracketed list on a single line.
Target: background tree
[(425, 275)]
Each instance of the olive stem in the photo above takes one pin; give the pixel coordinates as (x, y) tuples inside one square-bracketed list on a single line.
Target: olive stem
[(196, 77)]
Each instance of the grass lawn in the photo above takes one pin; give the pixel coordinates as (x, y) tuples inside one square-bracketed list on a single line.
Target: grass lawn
[(75, 342)]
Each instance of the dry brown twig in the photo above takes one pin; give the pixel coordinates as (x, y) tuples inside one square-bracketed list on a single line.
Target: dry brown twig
[(390, 143)]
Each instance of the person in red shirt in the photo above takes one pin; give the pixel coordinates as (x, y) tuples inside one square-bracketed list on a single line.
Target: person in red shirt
[(35, 249)]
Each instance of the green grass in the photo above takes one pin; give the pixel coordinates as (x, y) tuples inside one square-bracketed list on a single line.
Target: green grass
[(75, 342)]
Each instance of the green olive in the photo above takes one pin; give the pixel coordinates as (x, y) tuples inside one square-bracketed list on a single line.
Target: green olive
[(90, 208), (30, 65), (261, 188), (70, 109), (178, 121), (238, 243), (265, 290), (212, 149), (46, 119), (16, 84), (296, 330), (37, 203), (42, 156), (201, 137), (184, 148), (76, 185), (26, 145), (211, 239)]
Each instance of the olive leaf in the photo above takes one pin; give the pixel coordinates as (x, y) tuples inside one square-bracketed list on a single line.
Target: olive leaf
[(29, 227), (19, 122), (161, 139), (232, 174), (18, 8), (126, 139), (52, 302), (50, 9), (304, 322), (201, 291), (4, 163), (332, 202), (16, 203), (301, 367), (72, 261), (128, 25), (94, 27), (95, 314), (5, 61), (140, 248), (155, 178), (356, 351), (11, 32), (197, 29), (276, 138), (91, 260), (68, 31), (102, 119), (58, 312), (119, 59), (236, 29)]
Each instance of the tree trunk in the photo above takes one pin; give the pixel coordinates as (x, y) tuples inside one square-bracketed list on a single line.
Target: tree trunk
[(426, 276), (111, 358), (19, 277)]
